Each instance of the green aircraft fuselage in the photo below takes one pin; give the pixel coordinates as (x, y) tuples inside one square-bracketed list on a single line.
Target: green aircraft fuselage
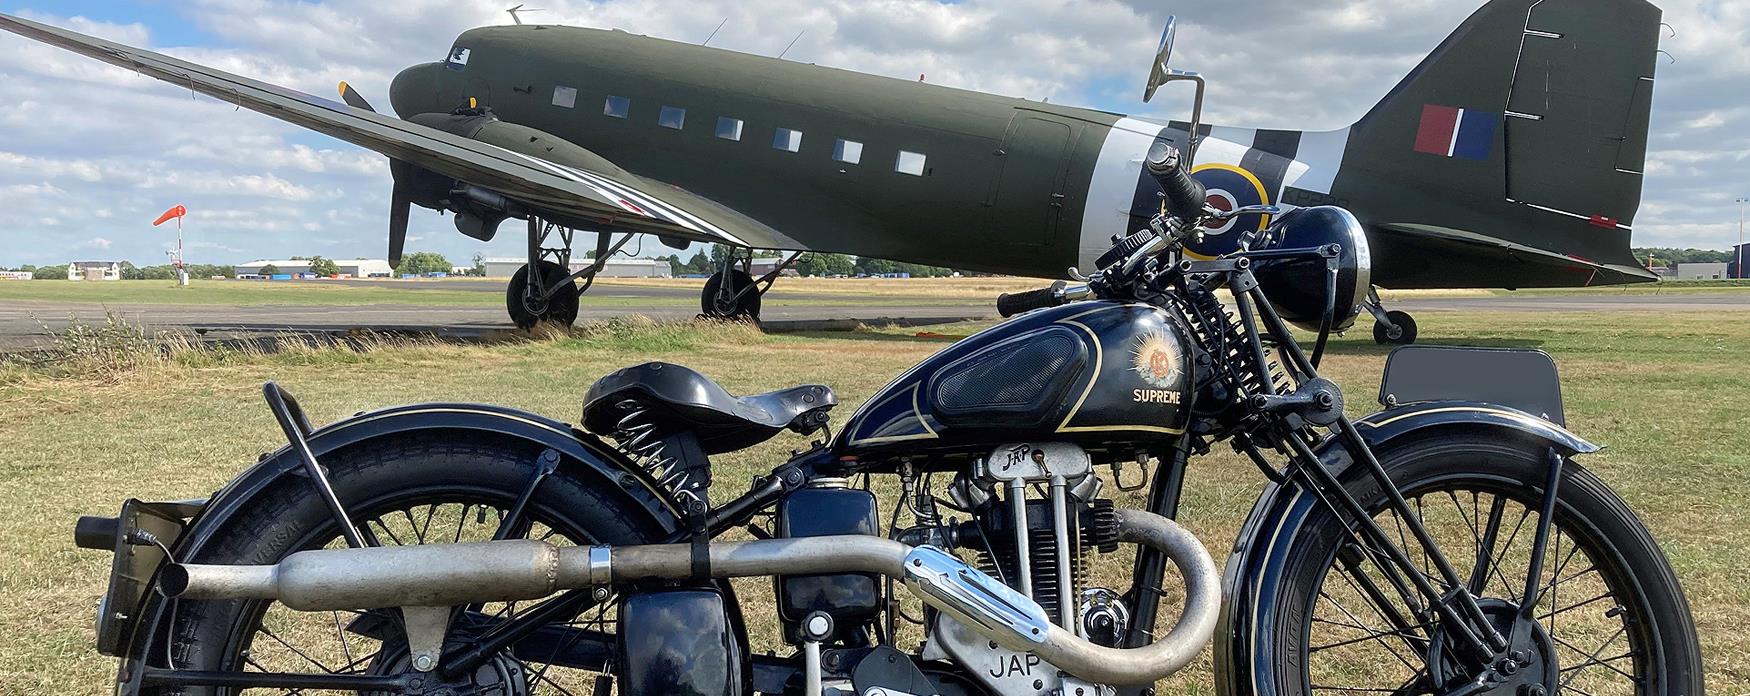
[(847, 162), (990, 192)]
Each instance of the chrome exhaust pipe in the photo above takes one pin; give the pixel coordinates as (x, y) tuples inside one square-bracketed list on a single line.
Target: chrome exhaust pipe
[(441, 575)]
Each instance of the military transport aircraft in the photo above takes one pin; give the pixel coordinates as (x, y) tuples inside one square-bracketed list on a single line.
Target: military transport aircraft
[(1510, 157)]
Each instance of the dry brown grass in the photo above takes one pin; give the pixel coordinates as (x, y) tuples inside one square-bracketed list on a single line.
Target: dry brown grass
[(1656, 388)]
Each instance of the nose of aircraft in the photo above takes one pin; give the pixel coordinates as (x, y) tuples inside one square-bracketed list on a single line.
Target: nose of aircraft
[(417, 90)]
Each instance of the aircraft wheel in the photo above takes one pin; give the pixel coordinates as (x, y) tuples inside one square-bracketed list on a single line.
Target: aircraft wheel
[(1401, 333), (744, 308), (526, 313)]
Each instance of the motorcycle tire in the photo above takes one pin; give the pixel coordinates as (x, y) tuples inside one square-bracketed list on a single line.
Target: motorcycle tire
[(381, 479), (1465, 467)]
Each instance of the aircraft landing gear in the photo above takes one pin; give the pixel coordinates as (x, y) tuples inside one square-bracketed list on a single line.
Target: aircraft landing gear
[(733, 293), (529, 306), (544, 289), (724, 296), (1389, 327)]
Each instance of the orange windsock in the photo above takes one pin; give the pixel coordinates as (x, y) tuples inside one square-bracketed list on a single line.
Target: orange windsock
[(175, 212)]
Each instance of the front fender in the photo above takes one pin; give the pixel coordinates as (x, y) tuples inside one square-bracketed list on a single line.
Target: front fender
[(1253, 573), (578, 450)]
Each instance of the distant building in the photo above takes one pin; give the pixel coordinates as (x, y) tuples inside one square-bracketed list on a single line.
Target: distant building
[(94, 270), (354, 268), (617, 267), (1701, 271), (765, 264), (1740, 253), (17, 275)]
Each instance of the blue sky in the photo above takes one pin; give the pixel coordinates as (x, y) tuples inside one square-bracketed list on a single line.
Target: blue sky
[(90, 154)]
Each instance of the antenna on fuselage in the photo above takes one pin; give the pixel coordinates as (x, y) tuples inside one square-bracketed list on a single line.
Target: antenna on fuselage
[(792, 43), (713, 35), (519, 8)]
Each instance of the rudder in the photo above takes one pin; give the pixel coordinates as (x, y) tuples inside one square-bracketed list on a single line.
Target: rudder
[(1539, 102)]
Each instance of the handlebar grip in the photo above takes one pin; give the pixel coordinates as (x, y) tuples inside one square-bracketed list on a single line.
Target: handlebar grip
[(1010, 304), (1185, 195)]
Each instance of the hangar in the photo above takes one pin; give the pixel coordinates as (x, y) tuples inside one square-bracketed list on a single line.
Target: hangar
[(618, 267)]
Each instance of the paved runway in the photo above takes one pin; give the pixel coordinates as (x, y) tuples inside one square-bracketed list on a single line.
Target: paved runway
[(24, 324)]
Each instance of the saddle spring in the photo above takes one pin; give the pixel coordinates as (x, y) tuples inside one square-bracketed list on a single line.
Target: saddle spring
[(638, 440)]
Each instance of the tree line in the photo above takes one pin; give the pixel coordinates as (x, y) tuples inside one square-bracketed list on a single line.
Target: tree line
[(702, 262), (1666, 256), (811, 264)]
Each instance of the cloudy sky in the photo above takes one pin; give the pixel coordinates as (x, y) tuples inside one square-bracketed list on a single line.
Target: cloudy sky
[(90, 154)]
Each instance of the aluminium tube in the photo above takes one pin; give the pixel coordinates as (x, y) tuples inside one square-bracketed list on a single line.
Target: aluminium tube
[(506, 571), (451, 574)]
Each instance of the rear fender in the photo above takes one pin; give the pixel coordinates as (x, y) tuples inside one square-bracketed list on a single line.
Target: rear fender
[(579, 452), (1251, 580)]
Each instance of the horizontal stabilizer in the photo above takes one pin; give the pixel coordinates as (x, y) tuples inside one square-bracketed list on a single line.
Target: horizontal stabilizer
[(1429, 256)]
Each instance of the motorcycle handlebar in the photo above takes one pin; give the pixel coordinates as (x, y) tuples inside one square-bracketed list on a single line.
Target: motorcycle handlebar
[(1010, 304), (1185, 195)]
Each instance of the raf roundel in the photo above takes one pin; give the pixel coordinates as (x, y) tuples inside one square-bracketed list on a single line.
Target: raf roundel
[(1229, 187)]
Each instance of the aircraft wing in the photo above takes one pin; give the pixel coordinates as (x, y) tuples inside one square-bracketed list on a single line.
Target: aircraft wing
[(617, 200), (1429, 256)]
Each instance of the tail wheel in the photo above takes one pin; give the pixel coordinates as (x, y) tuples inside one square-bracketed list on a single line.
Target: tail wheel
[(428, 490), (718, 302), (1610, 618), (526, 312), (1400, 332)]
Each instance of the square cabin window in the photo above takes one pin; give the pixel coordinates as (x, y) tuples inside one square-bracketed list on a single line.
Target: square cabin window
[(616, 107), (847, 151), (909, 163), (787, 140), (565, 97), (729, 128), (672, 117)]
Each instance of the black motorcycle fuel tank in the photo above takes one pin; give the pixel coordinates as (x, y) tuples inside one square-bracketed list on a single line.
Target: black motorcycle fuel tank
[(1100, 371)]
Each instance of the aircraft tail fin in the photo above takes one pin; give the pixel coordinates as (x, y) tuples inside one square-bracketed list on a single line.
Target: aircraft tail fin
[(1543, 103)]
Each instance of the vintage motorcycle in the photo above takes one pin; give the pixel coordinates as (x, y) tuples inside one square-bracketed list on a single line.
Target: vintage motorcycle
[(1447, 544)]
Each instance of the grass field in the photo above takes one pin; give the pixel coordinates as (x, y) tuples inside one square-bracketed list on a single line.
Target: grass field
[(1665, 392), (640, 292), (488, 292)]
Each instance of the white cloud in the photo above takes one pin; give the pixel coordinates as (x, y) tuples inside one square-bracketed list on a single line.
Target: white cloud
[(87, 148), (95, 243)]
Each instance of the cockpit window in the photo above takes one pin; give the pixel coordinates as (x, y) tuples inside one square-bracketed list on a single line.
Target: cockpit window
[(458, 58)]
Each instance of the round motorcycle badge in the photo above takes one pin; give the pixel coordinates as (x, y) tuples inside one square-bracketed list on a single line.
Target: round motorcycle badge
[(1229, 187), (1156, 360)]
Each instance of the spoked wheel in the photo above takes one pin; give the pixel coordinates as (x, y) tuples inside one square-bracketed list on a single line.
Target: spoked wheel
[(1610, 617), (718, 302), (428, 491), (526, 312)]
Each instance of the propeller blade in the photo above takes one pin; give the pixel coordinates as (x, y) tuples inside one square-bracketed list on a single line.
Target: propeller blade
[(399, 208), (353, 98)]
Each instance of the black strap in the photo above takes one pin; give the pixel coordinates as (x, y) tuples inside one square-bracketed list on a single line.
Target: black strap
[(701, 561)]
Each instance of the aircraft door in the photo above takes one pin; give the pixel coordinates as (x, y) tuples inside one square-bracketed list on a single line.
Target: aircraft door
[(1030, 195)]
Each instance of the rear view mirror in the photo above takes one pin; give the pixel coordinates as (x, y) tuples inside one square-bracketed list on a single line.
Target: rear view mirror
[(1157, 74), (1161, 73)]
